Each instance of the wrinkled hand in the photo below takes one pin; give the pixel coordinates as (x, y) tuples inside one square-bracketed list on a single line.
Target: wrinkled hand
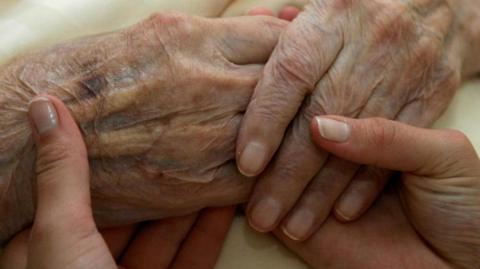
[(430, 221), (64, 234), (159, 105), (395, 59)]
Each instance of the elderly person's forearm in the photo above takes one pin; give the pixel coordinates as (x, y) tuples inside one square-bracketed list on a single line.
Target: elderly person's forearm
[(159, 105)]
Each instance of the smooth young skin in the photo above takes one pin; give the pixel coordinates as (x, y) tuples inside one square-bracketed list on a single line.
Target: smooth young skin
[(400, 60), (431, 219), (64, 234)]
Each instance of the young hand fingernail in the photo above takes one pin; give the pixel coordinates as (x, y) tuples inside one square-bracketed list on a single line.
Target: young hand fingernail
[(333, 130), (43, 114)]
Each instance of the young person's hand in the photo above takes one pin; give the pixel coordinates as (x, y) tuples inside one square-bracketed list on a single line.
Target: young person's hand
[(401, 60), (64, 234), (431, 221)]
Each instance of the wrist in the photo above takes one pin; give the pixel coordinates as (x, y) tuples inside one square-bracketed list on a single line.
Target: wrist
[(467, 32)]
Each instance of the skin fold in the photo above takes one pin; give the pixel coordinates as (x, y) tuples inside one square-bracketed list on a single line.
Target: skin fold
[(159, 105)]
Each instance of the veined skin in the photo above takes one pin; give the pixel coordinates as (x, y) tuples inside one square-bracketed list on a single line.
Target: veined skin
[(159, 105)]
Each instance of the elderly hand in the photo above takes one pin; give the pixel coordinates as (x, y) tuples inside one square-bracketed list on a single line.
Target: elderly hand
[(64, 234), (401, 60), (159, 103), (432, 220)]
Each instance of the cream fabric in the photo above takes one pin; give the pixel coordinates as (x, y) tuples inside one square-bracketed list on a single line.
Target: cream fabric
[(28, 24)]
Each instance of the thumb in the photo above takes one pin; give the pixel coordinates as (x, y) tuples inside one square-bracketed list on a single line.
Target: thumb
[(63, 195), (396, 146)]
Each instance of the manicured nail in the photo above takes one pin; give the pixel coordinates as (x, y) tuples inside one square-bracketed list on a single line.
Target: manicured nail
[(252, 159), (265, 214), (349, 206), (43, 114), (333, 130), (299, 224)]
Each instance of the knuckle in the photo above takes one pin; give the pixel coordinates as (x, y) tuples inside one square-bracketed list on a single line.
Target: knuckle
[(380, 133), (458, 139), (322, 188), (392, 24), (169, 25), (428, 52), (288, 72), (292, 67), (289, 172), (79, 224), (272, 108), (168, 19), (55, 155)]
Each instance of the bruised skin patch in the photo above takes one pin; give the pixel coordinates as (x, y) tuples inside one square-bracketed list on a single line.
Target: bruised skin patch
[(92, 86)]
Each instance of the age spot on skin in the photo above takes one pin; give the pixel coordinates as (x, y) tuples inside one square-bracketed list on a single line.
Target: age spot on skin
[(92, 86)]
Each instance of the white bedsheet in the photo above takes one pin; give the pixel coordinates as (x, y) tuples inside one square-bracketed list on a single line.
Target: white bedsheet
[(28, 24)]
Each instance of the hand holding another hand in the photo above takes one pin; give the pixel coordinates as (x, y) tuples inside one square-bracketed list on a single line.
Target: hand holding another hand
[(394, 59), (431, 219), (64, 234)]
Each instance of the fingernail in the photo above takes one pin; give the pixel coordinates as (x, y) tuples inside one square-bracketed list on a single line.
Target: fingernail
[(333, 130), (265, 214), (299, 224), (252, 159), (349, 206), (43, 114)]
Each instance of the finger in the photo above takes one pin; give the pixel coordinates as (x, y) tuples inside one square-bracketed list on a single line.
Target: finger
[(318, 199), (260, 11), (368, 182), (117, 239), (63, 194), (392, 145), (156, 244), (297, 161), (14, 255), (248, 40), (289, 13), (288, 77), (363, 190), (204, 243)]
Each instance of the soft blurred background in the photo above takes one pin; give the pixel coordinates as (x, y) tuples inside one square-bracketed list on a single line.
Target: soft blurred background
[(30, 24)]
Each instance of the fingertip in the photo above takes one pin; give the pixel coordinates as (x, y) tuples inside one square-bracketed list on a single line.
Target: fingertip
[(252, 159), (49, 117), (341, 217), (264, 214), (43, 116), (289, 13)]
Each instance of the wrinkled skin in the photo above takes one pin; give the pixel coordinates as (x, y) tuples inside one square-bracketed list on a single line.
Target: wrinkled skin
[(400, 60), (159, 105)]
